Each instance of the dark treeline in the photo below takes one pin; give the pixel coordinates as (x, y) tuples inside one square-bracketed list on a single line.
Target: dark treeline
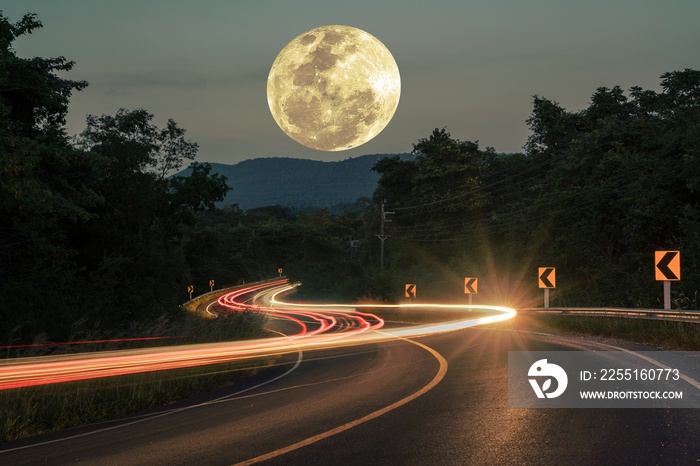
[(96, 235), (93, 233), (595, 194)]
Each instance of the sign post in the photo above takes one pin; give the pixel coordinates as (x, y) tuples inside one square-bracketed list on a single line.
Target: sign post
[(547, 277), (190, 290), (667, 265), (471, 287), (279, 271), (211, 285)]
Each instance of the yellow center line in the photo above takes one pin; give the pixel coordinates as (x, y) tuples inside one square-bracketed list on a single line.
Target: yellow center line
[(316, 438)]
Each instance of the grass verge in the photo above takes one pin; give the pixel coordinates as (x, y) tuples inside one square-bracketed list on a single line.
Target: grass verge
[(666, 334), (34, 410)]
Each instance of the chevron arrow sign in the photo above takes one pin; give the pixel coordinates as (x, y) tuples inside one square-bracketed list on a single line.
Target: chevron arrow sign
[(471, 285), (547, 277), (667, 265), (410, 290)]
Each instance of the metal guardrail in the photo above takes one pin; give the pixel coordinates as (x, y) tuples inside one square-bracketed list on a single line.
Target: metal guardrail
[(652, 314)]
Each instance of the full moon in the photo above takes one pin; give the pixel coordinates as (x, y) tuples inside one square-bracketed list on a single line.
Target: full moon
[(333, 88)]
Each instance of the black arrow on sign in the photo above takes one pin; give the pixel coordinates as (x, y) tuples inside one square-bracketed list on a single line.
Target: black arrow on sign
[(470, 286), (545, 277), (411, 291), (663, 265)]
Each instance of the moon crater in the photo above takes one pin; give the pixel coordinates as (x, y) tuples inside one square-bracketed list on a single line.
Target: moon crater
[(333, 88)]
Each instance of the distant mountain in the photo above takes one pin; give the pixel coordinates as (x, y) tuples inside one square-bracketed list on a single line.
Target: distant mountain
[(299, 183)]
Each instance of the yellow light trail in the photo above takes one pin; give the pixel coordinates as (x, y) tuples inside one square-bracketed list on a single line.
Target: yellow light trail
[(322, 331)]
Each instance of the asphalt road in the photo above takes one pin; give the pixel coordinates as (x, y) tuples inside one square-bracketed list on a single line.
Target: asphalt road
[(442, 401)]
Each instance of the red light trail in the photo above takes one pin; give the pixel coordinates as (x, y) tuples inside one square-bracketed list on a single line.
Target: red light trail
[(319, 326)]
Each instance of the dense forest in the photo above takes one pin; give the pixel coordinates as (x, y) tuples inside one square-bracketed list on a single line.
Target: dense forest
[(93, 229), (96, 234)]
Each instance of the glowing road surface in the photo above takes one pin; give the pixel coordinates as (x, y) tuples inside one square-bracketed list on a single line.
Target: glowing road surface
[(318, 327)]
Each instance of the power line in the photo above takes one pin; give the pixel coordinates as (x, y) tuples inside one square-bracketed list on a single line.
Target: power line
[(484, 187), (614, 190), (382, 237)]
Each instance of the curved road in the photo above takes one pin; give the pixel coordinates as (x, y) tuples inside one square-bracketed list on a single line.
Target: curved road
[(436, 399)]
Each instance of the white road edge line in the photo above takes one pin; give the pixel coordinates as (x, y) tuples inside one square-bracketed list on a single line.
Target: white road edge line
[(688, 379), (165, 413)]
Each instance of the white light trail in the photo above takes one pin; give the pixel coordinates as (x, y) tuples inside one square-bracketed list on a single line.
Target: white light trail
[(321, 326)]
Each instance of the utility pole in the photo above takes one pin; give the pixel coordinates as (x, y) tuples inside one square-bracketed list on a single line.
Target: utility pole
[(382, 237), (353, 246)]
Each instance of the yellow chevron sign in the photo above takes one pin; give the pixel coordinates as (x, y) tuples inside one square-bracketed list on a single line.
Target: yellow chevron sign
[(471, 285), (547, 277), (410, 290), (667, 265)]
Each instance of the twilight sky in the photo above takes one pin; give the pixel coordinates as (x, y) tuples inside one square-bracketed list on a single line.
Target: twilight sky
[(469, 66)]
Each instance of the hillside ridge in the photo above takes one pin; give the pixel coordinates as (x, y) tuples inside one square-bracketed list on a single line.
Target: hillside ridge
[(299, 183)]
